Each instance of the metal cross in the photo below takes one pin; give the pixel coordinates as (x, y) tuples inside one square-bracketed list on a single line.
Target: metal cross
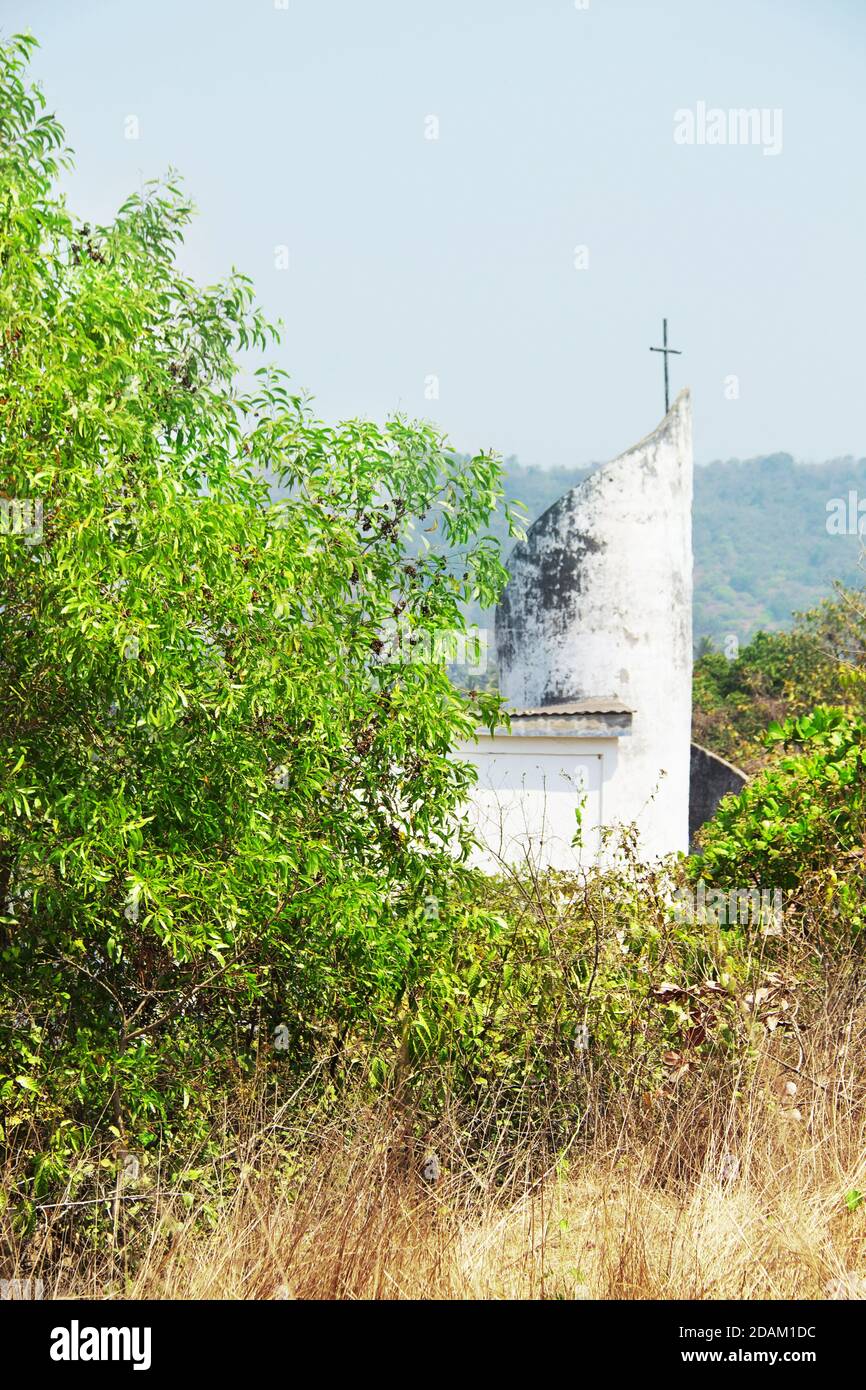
[(667, 351)]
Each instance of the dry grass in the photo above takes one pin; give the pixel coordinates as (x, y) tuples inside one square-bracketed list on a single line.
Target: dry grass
[(746, 1203), (738, 1181)]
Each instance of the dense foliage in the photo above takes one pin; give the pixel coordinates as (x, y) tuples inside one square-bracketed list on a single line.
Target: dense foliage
[(779, 675), (800, 825), (226, 807)]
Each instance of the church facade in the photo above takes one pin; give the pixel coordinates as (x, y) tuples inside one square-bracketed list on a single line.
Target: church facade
[(594, 645)]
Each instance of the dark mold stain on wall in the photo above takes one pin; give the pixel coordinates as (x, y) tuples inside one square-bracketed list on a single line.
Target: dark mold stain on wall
[(546, 579)]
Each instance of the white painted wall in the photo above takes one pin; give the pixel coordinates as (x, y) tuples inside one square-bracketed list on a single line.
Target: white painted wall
[(523, 806), (599, 605)]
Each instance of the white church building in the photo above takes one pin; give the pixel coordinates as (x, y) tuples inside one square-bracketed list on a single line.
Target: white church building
[(594, 645)]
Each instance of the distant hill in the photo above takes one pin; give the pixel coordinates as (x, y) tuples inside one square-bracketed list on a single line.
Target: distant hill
[(761, 544), (762, 548)]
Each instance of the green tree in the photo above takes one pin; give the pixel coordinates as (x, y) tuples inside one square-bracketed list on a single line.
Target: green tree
[(226, 802)]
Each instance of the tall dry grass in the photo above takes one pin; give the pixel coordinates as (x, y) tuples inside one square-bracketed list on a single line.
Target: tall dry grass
[(735, 1178), (682, 1198)]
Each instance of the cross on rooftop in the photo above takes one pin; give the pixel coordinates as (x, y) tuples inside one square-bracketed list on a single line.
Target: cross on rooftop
[(667, 351)]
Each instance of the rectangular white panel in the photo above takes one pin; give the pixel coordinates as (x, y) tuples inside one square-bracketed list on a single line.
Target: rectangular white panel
[(523, 807)]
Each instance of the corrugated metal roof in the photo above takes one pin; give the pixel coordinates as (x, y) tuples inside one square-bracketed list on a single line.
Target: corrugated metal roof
[(572, 707)]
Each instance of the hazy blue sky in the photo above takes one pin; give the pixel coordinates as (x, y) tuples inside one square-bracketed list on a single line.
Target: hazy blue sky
[(412, 257)]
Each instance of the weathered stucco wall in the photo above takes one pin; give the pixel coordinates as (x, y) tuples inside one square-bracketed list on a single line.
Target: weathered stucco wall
[(599, 605)]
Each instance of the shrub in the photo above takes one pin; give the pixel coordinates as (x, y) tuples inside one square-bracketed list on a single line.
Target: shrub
[(799, 826)]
